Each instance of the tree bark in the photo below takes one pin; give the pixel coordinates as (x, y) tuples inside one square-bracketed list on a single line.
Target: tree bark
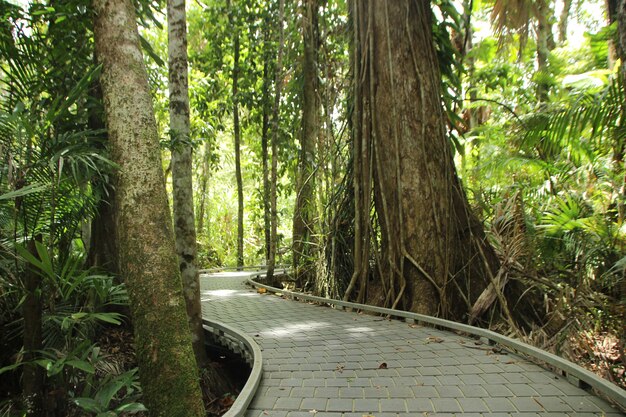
[(237, 134), (304, 209), (564, 20), (434, 258), (182, 181), (545, 43), (275, 135), (265, 130), (147, 253)]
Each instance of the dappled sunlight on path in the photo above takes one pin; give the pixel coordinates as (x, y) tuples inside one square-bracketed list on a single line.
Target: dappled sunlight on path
[(322, 362)]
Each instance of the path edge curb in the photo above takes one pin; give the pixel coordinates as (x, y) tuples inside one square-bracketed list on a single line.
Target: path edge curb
[(240, 405), (574, 373)]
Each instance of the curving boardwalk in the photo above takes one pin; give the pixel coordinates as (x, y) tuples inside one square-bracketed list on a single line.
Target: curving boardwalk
[(322, 362)]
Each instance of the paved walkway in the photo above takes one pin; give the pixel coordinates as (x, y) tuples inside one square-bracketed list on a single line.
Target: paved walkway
[(321, 362)]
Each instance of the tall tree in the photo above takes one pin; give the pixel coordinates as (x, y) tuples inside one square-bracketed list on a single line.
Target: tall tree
[(147, 253), (184, 220), (237, 134), (265, 134), (305, 184), (275, 136), (433, 256)]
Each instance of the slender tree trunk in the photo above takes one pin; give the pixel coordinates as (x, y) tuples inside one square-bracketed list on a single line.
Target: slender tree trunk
[(102, 249), (434, 257), (265, 129), (237, 133), (33, 376), (305, 184), (204, 183), (275, 136), (564, 20), (147, 253), (545, 43), (184, 219)]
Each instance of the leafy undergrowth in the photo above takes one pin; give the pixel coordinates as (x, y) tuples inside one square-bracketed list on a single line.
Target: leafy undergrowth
[(107, 384)]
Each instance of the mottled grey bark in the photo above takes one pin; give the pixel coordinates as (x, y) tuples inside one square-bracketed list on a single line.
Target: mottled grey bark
[(304, 210), (147, 254), (184, 219)]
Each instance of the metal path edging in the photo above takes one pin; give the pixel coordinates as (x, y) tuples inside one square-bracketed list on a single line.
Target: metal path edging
[(570, 370), (239, 407)]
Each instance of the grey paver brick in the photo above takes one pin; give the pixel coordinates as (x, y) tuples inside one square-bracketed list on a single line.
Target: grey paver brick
[(291, 382), (496, 404), (377, 392), (313, 404), (521, 390), (314, 382), (527, 404), (288, 403), (472, 405), (425, 392), (339, 404), (395, 405), (449, 391), (446, 405), (327, 392), (346, 392), (497, 390), (473, 391), (367, 405), (263, 402), (419, 405)]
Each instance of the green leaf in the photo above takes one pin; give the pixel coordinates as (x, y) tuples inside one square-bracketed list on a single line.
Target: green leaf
[(10, 367), (88, 404), (82, 365), (150, 51), (108, 391), (24, 191), (131, 408), (113, 318)]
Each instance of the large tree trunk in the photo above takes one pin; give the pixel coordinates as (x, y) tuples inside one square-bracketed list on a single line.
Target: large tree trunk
[(184, 219), (434, 258), (147, 254), (275, 135), (304, 210)]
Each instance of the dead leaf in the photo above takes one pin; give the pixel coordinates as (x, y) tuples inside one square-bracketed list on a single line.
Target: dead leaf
[(382, 365), (434, 339), (339, 368), (414, 326), (261, 290)]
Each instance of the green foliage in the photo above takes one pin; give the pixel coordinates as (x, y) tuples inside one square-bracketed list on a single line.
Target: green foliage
[(116, 395)]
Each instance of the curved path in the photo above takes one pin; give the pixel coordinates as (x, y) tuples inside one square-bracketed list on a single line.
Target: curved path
[(321, 362)]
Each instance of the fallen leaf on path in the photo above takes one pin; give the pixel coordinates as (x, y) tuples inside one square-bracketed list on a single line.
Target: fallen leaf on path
[(261, 290), (414, 326), (340, 368), (434, 339)]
